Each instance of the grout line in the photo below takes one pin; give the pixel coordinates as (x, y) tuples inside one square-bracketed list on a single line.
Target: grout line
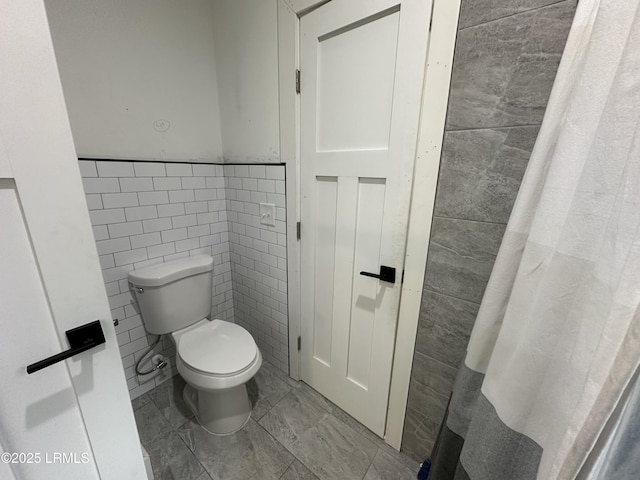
[(437, 360), (497, 127), (295, 457), (450, 296), (282, 445), (431, 390), (514, 14), (469, 220), (288, 466)]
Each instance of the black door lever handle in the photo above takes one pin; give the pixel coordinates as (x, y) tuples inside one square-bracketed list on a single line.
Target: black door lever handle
[(387, 274), (81, 338)]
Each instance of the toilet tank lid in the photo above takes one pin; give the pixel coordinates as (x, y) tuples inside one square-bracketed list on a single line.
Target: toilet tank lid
[(167, 272)]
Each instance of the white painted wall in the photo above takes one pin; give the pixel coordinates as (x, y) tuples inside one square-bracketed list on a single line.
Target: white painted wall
[(125, 65), (246, 45)]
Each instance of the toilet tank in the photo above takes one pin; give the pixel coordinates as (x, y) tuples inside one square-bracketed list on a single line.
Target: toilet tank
[(173, 295)]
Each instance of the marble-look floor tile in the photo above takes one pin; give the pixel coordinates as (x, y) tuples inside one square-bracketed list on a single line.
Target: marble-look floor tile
[(444, 327), (266, 389), (249, 453), (140, 401), (375, 439), (461, 256), (204, 476), (172, 460), (302, 421), (387, 467), (286, 378), (168, 398), (151, 424), (481, 171), (299, 410), (400, 457), (321, 400), (357, 426), (334, 451), (297, 471), (259, 405), (328, 446)]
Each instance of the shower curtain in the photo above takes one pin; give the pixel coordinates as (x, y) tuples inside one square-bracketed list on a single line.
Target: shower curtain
[(619, 457), (557, 337)]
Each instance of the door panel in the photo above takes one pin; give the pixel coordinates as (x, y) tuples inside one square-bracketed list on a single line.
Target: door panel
[(23, 306), (368, 228), (362, 66), (354, 113), (327, 195), (50, 278)]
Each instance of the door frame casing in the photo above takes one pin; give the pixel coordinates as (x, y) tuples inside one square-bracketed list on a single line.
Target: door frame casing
[(435, 95)]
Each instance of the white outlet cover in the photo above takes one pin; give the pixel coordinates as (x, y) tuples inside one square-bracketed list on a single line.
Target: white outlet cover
[(268, 214)]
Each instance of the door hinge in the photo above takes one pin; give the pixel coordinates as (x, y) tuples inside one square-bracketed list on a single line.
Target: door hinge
[(299, 343), (297, 81), (402, 281), (298, 230)]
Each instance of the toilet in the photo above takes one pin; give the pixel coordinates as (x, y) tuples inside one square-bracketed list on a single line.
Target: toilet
[(216, 358)]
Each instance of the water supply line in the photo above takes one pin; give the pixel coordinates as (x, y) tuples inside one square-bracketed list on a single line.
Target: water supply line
[(158, 366)]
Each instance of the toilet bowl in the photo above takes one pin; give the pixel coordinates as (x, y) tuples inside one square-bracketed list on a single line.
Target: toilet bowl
[(216, 358)]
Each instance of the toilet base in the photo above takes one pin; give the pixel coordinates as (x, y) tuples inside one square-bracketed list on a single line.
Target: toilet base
[(219, 412)]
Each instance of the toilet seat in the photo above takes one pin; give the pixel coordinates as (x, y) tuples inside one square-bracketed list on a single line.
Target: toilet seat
[(217, 348), (213, 355)]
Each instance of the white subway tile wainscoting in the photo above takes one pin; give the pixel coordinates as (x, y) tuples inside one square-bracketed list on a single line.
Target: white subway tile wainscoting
[(259, 257), (148, 212)]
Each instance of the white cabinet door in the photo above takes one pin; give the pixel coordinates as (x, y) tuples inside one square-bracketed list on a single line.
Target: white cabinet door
[(72, 419), (362, 67)]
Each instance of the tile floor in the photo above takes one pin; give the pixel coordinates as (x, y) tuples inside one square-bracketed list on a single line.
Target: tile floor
[(293, 433)]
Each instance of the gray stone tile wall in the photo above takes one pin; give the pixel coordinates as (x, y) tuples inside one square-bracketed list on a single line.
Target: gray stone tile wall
[(506, 58)]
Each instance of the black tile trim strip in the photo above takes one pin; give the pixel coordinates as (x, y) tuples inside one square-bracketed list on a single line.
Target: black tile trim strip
[(190, 162)]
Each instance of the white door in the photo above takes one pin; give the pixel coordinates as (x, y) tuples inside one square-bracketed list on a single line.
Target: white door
[(362, 67), (72, 420)]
